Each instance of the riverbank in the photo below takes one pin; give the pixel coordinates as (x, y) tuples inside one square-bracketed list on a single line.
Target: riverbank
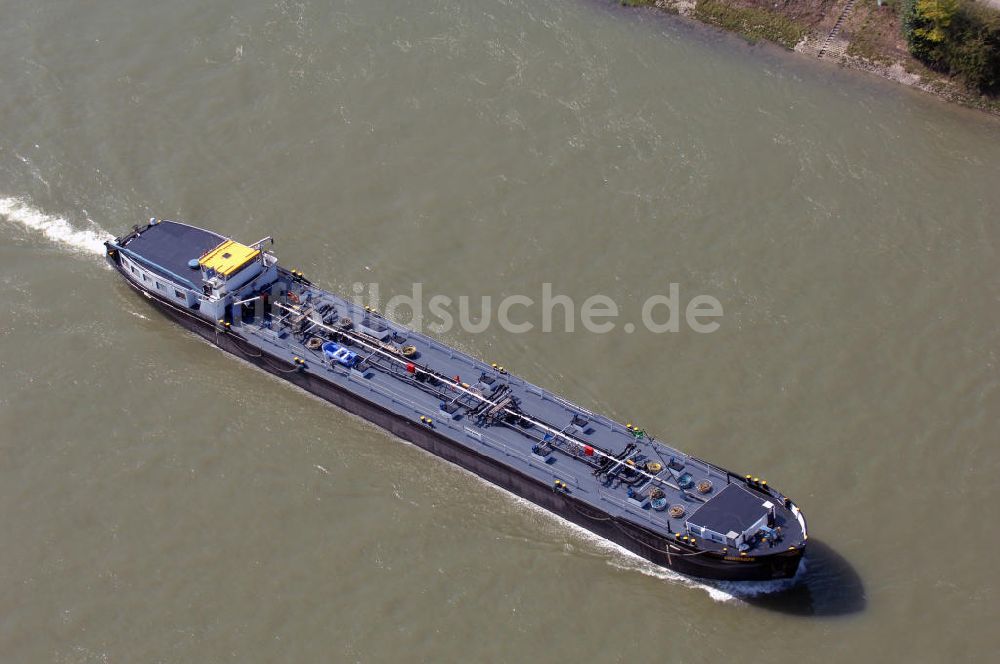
[(856, 34)]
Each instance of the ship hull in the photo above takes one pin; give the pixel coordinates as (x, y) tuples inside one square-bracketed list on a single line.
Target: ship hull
[(640, 541)]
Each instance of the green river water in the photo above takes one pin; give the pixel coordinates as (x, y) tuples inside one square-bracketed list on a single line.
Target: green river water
[(163, 502)]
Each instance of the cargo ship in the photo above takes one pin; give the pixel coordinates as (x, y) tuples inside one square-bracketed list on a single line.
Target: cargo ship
[(616, 480)]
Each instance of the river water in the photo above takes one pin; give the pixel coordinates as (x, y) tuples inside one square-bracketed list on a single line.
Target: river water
[(165, 502)]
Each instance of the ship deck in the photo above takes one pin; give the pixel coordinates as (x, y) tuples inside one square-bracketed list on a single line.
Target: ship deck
[(550, 443)]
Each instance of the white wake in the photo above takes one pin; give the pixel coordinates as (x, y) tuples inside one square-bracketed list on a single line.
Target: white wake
[(621, 558), (56, 229)]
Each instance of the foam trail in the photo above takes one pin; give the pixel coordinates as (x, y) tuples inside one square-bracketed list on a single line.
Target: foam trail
[(623, 559), (720, 591), (630, 562), (56, 229)]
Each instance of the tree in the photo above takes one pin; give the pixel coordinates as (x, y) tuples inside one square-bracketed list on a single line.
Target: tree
[(959, 37), (934, 18)]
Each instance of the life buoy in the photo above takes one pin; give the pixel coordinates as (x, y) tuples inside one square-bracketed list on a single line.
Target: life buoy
[(293, 298)]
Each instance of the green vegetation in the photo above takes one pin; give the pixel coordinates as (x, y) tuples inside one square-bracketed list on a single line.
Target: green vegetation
[(638, 3), (751, 22), (958, 37)]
